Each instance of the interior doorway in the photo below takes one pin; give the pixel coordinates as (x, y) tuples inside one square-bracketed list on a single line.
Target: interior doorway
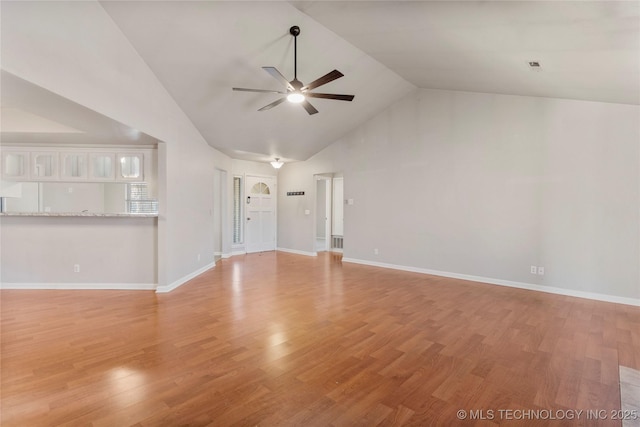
[(329, 220), (323, 213)]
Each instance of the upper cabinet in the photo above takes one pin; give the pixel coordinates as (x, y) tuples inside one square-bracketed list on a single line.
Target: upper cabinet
[(44, 166), (77, 164), (15, 165), (74, 166), (130, 167), (102, 166)]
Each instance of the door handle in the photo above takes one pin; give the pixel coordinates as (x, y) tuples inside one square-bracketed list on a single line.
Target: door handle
[(248, 219)]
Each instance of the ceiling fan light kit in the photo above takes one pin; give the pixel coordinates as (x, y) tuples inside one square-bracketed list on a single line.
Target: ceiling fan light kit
[(296, 91)]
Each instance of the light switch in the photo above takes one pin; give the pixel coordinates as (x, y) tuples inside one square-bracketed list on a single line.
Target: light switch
[(349, 201), (307, 212)]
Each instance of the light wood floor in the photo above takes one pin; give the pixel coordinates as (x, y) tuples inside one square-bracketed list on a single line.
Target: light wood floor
[(280, 339)]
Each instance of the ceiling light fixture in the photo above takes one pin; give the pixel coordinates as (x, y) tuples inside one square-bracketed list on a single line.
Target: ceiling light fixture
[(295, 97), (277, 164)]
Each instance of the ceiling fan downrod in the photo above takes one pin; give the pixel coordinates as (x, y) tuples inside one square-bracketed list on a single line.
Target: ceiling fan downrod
[(295, 32)]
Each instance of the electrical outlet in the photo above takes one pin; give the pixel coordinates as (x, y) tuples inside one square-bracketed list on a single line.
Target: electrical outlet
[(541, 271), (198, 257), (534, 269), (76, 268), (376, 251)]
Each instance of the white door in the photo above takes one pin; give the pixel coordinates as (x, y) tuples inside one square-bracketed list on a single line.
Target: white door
[(261, 214)]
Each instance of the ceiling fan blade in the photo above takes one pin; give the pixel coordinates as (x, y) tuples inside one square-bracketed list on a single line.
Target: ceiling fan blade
[(310, 108), (329, 77), (330, 96), (242, 89), (273, 104), (278, 76)]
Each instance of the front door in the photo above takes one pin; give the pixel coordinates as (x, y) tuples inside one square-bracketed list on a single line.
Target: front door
[(261, 215)]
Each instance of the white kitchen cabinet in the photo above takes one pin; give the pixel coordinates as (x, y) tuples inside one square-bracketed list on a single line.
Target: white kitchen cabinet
[(74, 166), (44, 166), (130, 167), (15, 165), (102, 167)]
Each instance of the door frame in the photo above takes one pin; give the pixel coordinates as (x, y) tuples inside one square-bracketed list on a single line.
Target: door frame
[(328, 209)]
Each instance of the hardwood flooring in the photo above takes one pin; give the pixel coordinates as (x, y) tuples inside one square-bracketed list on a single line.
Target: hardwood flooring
[(280, 339)]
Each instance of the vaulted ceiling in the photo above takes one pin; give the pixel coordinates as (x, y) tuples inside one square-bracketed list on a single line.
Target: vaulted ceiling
[(200, 50)]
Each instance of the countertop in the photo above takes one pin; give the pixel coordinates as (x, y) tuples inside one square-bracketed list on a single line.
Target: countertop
[(82, 214)]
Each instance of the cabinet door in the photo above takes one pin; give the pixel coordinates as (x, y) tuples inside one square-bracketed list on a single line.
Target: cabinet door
[(74, 166), (130, 167), (15, 165), (44, 166), (102, 167)]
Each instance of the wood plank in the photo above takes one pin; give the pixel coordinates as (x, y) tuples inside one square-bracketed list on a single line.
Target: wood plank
[(282, 339)]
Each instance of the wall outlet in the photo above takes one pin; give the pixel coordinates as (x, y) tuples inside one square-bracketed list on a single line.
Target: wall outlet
[(70, 190), (541, 271), (376, 251), (198, 257), (76, 268), (534, 269)]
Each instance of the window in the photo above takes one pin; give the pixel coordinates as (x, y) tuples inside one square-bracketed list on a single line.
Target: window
[(237, 210), (260, 188), (138, 200)]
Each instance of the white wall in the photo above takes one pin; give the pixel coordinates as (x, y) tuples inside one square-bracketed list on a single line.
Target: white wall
[(111, 251), (487, 185), (245, 167), (75, 50), (73, 197)]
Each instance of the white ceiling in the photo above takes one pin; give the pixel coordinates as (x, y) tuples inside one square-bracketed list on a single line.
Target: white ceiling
[(589, 50), (200, 50)]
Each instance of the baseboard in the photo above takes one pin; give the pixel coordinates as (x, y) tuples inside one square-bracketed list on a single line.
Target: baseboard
[(295, 251), (82, 286), (222, 255), (242, 252), (170, 287), (500, 282)]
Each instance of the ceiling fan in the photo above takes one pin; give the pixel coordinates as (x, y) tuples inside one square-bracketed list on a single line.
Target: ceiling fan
[(296, 91)]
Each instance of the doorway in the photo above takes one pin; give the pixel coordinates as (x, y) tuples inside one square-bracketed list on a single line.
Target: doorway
[(323, 213), (260, 225), (329, 221)]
